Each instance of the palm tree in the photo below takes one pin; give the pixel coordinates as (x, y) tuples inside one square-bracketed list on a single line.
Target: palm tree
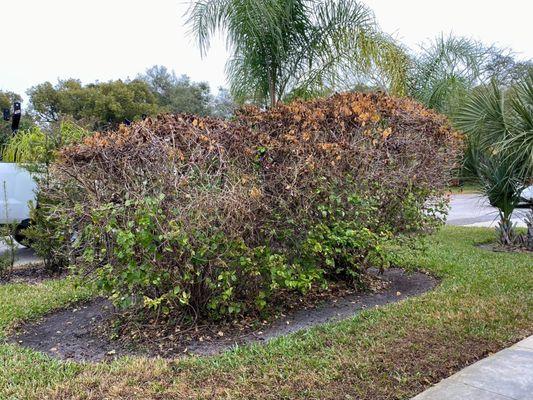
[(502, 121), (500, 183), (518, 143), (499, 125), (282, 48), (445, 72)]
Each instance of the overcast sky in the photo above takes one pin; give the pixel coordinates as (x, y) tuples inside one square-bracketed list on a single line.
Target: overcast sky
[(109, 39)]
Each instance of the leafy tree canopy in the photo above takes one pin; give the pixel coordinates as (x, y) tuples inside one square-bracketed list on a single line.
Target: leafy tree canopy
[(98, 104), (177, 94), (103, 105), (7, 99)]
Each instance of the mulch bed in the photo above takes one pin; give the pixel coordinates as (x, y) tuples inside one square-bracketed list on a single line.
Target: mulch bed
[(499, 248), (82, 333), (32, 274)]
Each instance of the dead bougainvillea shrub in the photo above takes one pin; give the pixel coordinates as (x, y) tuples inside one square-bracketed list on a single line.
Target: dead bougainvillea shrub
[(204, 217), (393, 150)]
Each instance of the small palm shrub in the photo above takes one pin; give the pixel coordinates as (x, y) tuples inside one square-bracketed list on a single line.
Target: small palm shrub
[(501, 183), (27, 146), (204, 217), (499, 124)]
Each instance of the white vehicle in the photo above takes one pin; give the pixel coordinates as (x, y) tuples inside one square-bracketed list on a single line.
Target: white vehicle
[(17, 189), (527, 194)]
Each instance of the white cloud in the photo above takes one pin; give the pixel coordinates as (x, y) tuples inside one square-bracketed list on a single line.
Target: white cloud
[(505, 23), (109, 39)]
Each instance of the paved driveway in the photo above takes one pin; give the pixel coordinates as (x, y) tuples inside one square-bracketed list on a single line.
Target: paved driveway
[(474, 210)]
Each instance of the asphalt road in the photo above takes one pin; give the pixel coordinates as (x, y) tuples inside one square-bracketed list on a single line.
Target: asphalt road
[(474, 210), (23, 255)]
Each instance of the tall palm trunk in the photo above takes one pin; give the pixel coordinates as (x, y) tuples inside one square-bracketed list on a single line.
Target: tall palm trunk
[(272, 89)]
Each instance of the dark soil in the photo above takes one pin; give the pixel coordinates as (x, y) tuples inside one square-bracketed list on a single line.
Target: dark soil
[(76, 333), (499, 248), (31, 274), (71, 333)]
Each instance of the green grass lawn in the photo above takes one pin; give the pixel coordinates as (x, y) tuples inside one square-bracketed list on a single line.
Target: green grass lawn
[(484, 303)]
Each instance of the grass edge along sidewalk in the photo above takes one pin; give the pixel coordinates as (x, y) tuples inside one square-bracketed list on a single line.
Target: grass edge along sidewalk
[(505, 375), (483, 304)]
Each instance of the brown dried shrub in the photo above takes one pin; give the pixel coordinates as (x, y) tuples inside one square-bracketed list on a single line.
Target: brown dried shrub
[(354, 143), (213, 217)]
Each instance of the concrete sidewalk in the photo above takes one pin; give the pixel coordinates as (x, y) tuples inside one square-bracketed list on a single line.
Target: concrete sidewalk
[(507, 375)]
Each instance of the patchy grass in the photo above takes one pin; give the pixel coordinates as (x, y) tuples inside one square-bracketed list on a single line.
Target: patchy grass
[(466, 188), (23, 302), (484, 303), (21, 368)]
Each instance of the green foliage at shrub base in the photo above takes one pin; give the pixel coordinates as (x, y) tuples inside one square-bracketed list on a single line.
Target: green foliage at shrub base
[(144, 258)]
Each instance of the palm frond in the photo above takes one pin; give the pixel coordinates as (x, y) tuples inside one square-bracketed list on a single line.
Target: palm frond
[(446, 69), (284, 47), (519, 142), (483, 115)]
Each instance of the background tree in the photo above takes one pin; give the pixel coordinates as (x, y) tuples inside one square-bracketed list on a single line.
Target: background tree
[(177, 95), (6, 101), (296, 47), (45, 101), (222, 105), (502, 66), (96, 105), (445, 71), (8, 98), (113, 102), (103, 105)]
